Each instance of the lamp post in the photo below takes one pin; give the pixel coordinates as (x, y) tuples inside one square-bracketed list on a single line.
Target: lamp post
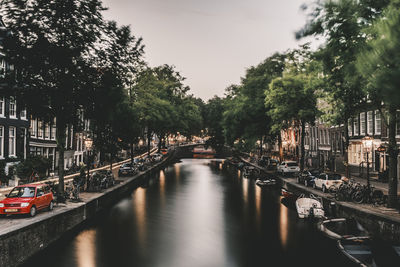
[(88, 146), (367, 144)]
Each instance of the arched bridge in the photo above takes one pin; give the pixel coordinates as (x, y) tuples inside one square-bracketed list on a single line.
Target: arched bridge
[(200, 150)]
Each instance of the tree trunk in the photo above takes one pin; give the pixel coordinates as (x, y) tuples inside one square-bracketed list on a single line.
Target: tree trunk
[(148, 142), (280, 147), (302, 150), (111, 161), (393, 152), (60, 139), (346, 146), (159, 143), (132, 156)]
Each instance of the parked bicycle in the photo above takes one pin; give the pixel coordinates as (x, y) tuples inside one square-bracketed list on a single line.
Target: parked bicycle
[(346, 191), (369, 195)]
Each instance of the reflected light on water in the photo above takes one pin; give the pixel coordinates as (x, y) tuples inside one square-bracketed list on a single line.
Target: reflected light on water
[(258, 205), (139, 206), (162, 187), (245, 188), (177, 169), (85, 249), (283, 224)]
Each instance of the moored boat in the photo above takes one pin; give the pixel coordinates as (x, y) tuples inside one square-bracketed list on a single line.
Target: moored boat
[(260, 182), (342, 228), (358, 250), (287, 194), (309, 207)]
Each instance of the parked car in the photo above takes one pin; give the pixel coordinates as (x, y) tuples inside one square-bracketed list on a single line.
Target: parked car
[(272, 164), (263, 161), (326, 181), (307, 177), (288, 167), (27, 199), (126, 169)]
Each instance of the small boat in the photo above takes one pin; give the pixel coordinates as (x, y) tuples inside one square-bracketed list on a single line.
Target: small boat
[(343, 228), (287, 194), (250, 172), (309, 207), (260, 182), (358, 250)]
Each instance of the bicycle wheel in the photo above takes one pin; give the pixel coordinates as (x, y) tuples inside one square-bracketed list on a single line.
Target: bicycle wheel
[(358, 197), (377, 197)]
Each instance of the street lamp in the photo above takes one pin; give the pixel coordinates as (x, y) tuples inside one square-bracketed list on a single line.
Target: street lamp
[(367, 144), (88, 146)]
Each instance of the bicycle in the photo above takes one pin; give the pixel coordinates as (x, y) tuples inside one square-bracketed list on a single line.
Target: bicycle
[(369, 195)]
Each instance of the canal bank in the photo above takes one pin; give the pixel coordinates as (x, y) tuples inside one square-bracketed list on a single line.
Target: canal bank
[(20, 241), (381, 222)]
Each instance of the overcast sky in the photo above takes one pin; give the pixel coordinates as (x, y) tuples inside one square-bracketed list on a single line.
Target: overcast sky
[(210, 42)]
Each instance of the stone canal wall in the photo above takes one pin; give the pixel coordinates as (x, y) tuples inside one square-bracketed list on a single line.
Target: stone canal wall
[(18, 244), (379, 221)]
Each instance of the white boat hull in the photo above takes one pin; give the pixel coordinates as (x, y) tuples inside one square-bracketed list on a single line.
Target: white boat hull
[(309, 207)]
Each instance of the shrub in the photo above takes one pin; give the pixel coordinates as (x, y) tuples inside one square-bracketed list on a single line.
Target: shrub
[(33, 163)]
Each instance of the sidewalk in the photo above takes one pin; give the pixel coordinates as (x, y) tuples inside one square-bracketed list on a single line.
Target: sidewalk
[(373, 181), (6, 190)]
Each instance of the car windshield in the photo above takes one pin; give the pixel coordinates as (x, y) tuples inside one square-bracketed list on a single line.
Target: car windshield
[(126, 165), (22, 192), (334, 177), (292, 164), (314, 172)]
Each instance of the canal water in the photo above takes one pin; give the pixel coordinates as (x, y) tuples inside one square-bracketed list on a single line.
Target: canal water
[(198, 212)]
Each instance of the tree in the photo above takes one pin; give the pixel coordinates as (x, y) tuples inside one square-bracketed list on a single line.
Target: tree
[(379, 64), (245, 103), (214, 111), (118, 59), (50, 46), (341, 23), (293, 102)]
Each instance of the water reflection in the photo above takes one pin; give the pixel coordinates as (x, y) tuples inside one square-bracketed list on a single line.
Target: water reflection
[(283, 225), (85, 249), (139, 208), (195, 214), (258, 206)]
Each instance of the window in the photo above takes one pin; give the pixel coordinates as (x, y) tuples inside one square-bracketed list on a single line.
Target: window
[(46, 131), (356, 129), (11, 142), (40, 129), (397, 123), (350, 127), (53, 130), (2, 68), (33, 128), (12, 108), (1, 141), (378, 123), (370, 123), (2, 112), (23, 114), (362, 123)]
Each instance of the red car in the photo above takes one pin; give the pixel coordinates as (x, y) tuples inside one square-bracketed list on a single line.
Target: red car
[(27, 199)]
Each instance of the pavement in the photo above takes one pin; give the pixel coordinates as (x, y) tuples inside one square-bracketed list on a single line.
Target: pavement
[(5, 190)]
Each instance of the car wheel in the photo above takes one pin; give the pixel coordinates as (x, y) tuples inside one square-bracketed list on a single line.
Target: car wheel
[(32, 212), (324, 189), (305, 183), (51, 206)]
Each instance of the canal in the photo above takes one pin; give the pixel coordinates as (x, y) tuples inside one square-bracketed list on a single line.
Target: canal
[(198, 212)]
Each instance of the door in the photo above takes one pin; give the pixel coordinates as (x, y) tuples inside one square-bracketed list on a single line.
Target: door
[(40, 198)]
